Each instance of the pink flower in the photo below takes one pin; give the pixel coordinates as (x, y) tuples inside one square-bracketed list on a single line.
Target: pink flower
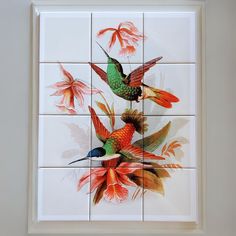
[(70, 89), (127, 35)]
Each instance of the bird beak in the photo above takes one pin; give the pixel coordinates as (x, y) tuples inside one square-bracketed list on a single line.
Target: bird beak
[(159, 58), (82, 159), (103, 49)]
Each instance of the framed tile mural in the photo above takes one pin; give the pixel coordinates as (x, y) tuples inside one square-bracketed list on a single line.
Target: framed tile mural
[(117, 118)]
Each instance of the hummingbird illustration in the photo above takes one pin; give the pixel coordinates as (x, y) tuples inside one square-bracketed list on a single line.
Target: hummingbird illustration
[(130, 87), (117, 144)]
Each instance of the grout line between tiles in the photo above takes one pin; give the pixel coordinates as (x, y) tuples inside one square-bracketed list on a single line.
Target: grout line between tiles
[(160, 63), (91, 100), (143, 132), (89, 167), (118, 115)]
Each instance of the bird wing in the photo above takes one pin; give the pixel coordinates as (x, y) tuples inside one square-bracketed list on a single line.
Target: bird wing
[(134, 79), (101, 131), (133, 152), (102, 74)]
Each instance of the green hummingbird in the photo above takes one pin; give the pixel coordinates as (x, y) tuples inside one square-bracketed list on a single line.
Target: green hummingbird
[(130, 87)]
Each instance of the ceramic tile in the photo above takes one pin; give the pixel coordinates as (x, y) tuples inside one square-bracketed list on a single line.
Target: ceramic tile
[(176, 141), (108, 95), (175, 198), (58, 196), (65, 37), (122, 201), (130, 30), (73, 100), (180, 81), (170, 35), (63, 139), (96, 142)]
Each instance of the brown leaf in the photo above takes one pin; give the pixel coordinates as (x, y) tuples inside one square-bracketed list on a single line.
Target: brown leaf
[(152, 182), (176, 145), (173, 143), (99, 193), (167, 154), (102, 107), (174, 166), (163, 148), (170, 149), (149, 181), (159, 170)]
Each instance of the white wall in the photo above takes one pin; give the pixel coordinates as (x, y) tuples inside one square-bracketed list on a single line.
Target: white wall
[(14, 97)]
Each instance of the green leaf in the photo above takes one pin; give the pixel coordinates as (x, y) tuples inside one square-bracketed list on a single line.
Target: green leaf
[(153, 141)]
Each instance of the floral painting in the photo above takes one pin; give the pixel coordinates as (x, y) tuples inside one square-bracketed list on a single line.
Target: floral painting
[(132, 135)]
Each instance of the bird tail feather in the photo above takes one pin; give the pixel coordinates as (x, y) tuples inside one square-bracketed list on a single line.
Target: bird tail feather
[(136, 118), (161, 97)]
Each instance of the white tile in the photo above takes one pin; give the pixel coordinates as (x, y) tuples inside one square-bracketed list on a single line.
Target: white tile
[(171, 35), (182, 129), (179, 80), (51, 74), (103, 20), (179, 202), (63, 139), (58, 198), (65, 36)]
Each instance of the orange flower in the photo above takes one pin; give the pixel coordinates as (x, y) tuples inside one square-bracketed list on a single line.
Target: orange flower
[(70, 89), (114, 178), (127, 35)]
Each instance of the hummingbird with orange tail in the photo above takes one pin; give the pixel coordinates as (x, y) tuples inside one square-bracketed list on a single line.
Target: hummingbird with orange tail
[(130, 87), (117, 144)]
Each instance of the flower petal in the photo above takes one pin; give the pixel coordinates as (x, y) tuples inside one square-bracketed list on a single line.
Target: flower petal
[(129, 25), (78, 96), (112, 177), (59, 92), (127, 50), (98, 171), (126, 180), (67, 101), (116, 193), (103, 31), (129, 34), (67, 76), (84, 88), (60, 85), (96, 182), (113, 40), (120, 39), (128, 167), (83, 180)]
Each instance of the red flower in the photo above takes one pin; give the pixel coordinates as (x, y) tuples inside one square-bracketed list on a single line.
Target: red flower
[(70, 89), (127, 35), (114, 177)]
